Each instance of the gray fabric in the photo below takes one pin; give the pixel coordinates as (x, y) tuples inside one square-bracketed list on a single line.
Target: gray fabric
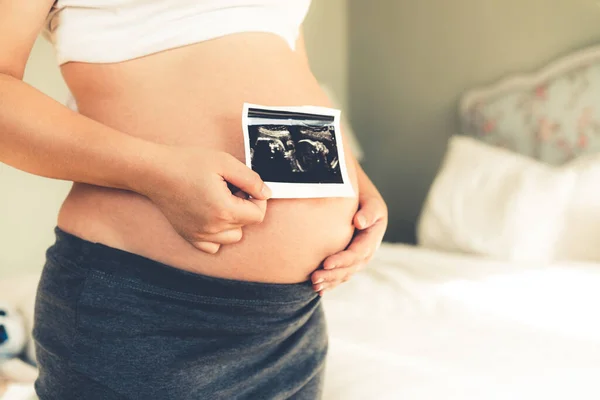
[(114, 325)]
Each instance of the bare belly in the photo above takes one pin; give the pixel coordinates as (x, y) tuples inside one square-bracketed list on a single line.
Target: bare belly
[(194, 96)]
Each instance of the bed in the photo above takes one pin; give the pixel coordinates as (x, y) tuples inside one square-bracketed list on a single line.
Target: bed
[(422, 324), (499, 299)]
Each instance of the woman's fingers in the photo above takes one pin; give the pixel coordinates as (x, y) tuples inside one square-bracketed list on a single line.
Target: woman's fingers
[(340, 267), (325, 277), (323, 280), (238, 174), (372, 209), (360, 251), (247, 203), (370, 224), (230, 236), (246, 211), (212, 243), (207, 247)]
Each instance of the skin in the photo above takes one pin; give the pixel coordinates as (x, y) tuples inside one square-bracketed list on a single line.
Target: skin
[(370, 223), (155, 183)]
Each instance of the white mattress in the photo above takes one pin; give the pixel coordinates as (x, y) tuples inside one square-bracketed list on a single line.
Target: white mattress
[(424, 325)]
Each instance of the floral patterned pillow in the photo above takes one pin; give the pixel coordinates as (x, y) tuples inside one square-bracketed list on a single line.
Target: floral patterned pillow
[(552, 116)]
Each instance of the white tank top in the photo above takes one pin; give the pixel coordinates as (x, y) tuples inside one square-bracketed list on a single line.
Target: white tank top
[(104, 31)]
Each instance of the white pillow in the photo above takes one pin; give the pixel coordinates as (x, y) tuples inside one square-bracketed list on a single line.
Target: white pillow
[(492, 202), (580, 237)]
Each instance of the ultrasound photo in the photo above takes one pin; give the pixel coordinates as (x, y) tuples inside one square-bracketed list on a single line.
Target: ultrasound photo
[(296, 150)]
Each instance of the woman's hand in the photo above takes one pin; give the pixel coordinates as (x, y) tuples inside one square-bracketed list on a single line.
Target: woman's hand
[(370, 223), (191, 189)]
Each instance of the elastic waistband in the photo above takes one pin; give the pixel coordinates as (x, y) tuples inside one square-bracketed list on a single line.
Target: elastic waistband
[(95, 257)]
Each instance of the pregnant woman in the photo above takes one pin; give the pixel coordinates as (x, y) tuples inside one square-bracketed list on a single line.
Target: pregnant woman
[(162, 283)]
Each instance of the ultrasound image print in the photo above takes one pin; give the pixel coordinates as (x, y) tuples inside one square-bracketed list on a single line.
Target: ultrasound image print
[(297, 150), (303, 150)]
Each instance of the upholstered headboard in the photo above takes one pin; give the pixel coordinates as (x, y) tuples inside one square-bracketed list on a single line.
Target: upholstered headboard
[(552, 115)]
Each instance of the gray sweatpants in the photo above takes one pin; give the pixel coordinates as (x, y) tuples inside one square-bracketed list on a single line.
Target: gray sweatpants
[(114, 325)]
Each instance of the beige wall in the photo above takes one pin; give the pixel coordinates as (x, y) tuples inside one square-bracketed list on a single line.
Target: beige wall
[(410, 60), (325, 31)]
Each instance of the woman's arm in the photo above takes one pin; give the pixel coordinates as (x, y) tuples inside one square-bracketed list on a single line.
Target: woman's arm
[(41, 136)]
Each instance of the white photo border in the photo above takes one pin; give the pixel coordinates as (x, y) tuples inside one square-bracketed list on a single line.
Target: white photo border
[(284, 190)]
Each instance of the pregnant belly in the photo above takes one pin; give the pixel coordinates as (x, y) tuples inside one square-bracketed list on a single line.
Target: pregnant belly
[(177, 97)]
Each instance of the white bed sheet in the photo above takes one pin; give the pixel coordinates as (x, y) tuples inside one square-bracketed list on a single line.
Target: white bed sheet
[(419, 324)]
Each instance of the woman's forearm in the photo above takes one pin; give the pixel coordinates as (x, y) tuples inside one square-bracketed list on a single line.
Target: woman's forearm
[(41, 136)]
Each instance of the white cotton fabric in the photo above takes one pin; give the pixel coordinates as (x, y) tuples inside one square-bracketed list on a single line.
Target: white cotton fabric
[(492, 202), (105, 31), (419, 324)]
